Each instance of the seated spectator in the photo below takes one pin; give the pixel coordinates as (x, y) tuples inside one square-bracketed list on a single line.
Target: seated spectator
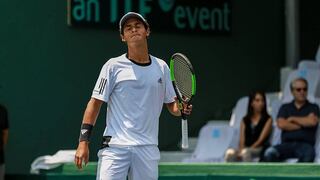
[(255, 130), (298, 122)]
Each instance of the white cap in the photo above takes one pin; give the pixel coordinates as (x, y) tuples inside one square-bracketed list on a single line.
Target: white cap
[(129, 15)]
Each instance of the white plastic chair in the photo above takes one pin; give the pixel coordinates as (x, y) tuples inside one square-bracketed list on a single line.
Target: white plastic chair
[(276, 132), (317, 145), (308, 64), (238, 114), (214, 139), (318, 55)]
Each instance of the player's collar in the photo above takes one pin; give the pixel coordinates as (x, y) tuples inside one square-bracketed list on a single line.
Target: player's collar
[(139, 64)]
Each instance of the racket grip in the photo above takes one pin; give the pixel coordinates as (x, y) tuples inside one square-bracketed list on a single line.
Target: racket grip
[(184, 128)]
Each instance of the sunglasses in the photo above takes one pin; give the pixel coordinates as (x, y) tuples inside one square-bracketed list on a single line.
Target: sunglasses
[(301, 89)]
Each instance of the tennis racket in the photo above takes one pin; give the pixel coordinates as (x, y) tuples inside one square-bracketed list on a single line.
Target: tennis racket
[(184, 83)]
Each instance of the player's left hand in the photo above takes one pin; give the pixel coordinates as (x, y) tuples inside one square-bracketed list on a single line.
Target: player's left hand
[(82, 154)]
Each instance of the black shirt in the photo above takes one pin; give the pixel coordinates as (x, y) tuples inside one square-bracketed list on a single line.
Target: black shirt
[(305, 134), (252, 132), (4, 124)]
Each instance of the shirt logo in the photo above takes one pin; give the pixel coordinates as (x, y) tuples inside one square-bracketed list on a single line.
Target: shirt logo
[(101, 86), (160, 80)]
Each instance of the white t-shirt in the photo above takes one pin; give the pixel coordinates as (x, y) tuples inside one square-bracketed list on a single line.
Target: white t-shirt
[(135, 95)]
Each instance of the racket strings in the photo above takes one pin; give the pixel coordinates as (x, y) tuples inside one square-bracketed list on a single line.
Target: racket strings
[(183, 77)]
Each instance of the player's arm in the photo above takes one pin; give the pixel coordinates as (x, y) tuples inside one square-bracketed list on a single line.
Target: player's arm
[(89, 119), (92, 111), (306, 121), (264, 134), (174, 109), (286, 125)]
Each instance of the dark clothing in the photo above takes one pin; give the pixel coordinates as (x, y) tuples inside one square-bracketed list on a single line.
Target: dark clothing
[(305, 134), (298, 143), (252, 132), (4, 124), (303, 151)]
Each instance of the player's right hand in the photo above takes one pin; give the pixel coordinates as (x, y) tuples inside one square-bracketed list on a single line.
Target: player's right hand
[(82, 154)]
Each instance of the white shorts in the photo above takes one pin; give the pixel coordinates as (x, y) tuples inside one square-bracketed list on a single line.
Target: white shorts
[(136, 162)]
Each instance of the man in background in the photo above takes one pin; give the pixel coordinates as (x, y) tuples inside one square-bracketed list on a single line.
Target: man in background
[(298, 122)]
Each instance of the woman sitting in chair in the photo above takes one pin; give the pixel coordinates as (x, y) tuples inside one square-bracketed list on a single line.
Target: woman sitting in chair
[(255, 130)]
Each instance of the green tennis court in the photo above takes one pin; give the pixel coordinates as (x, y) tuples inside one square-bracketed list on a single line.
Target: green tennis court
[(203, 171)]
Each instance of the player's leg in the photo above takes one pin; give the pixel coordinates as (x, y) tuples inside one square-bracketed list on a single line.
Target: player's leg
[(144, 163), (113, 163)]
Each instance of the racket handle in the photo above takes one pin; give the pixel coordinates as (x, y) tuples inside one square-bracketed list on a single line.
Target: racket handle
[(184, 128)]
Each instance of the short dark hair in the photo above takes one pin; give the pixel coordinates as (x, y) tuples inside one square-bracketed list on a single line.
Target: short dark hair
[(298, 79)]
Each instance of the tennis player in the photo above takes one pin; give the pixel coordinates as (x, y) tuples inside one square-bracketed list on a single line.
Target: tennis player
[(135, 86)]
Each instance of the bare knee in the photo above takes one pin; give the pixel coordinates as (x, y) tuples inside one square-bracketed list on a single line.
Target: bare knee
[(246, 155), (245, 152), (230, 155)]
